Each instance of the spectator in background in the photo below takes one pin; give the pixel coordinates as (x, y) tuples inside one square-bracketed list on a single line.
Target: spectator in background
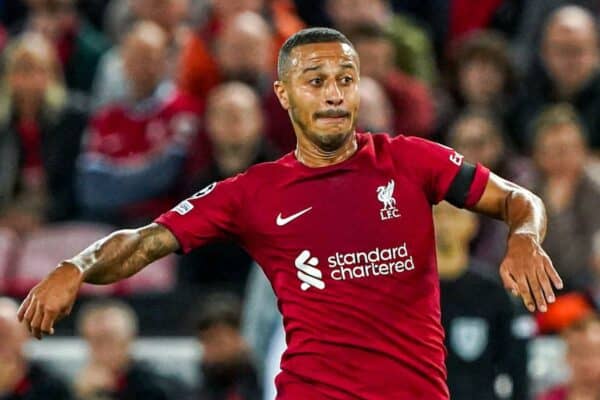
[(111, 82), (483, 75), (235, 129), (244, 51), (571, 196), (571, 58), (198, 71), (478, 135), (413, 52), (479, 340), (79, 46), (413, 109), (109, 328), (40, 133), (376, 112), (582, 338), (227, 368), (139, 148), (19, 379)]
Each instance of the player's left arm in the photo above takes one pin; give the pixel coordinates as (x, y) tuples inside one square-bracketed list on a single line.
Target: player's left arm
[(526, 270)]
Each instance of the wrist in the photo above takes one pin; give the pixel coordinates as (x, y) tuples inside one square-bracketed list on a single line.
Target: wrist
[(523, 235), (71, 268)]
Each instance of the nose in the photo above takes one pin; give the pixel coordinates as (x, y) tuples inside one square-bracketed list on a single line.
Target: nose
[(333, 95)]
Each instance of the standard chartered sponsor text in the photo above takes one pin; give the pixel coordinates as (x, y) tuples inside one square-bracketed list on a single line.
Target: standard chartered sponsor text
[(376, 262)]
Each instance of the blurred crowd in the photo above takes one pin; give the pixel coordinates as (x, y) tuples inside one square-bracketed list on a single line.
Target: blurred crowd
[(111, 111)]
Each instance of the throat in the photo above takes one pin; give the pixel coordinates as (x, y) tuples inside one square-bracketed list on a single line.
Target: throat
[(311, 155)]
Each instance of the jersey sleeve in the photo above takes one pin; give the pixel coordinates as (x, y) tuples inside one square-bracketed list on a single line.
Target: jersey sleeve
[(442, 172), (210, 214)]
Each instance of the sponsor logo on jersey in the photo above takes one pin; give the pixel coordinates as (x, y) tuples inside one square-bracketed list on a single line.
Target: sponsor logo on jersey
[(308, 273), (354, 265), (281, 221), (186, 206), (385, 194)]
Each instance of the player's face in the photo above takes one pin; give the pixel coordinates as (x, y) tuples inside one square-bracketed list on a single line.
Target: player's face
[(321, 94)]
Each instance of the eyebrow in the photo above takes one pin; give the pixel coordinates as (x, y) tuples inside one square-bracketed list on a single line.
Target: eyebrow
[(345, 65)]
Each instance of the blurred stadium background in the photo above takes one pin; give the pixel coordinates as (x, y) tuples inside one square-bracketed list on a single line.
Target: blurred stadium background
[(113, 110)]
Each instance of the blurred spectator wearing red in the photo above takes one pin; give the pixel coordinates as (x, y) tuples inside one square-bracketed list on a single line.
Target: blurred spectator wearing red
[(235, 129), (109, 329), (571, 59), (40, 134), (78, 44), (579, 326), (413, 50), (227, 369), (110, 82), (19, 379), (137, 150), (571, 196), (478, 135), (412, 105), (481, 344), (199, 70)]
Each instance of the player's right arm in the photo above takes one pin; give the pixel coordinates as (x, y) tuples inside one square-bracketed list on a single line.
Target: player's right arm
[(110, 259)]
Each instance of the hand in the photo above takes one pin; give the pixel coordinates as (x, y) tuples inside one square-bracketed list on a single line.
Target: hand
[(51, 299), (528, 272)]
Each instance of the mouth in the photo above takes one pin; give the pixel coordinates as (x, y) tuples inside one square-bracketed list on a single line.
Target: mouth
[(332, 116)]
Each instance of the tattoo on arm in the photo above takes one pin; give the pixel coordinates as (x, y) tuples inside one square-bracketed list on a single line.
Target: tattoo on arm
[(124, 253)]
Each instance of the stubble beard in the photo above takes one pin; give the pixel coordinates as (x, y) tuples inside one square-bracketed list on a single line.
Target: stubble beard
[(328, 143)]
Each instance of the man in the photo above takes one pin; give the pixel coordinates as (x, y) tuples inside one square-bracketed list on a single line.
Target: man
[(109, 328), (139, 147), (352, 261), (477, 135), (480, 342), (571, 59), (19, 379), (234, 126), (227, 369), (582, 340), (560, 152)]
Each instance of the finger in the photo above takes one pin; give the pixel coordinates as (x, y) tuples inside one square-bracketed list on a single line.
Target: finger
[(509, 282), (553, 274), (30, 313), (544, 282), (47, 325), (36, 322), (538, 294), (526, 294), (23, 308)]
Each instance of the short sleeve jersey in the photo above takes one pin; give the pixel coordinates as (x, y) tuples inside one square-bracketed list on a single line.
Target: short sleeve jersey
[(349, 250)]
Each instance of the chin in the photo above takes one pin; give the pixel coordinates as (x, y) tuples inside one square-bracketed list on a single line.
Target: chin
[(331, 141)]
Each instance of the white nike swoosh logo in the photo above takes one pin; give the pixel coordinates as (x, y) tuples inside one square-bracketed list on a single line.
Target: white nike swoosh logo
[(284, 221)]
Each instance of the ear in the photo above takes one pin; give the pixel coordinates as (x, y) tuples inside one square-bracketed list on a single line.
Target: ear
[(282, 94)]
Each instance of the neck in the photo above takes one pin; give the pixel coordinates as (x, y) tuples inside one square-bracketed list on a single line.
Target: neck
[(452, 263), (313, 156)]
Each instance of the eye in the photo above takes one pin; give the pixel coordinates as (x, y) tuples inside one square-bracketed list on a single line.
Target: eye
[(316, 81), (347, 79)]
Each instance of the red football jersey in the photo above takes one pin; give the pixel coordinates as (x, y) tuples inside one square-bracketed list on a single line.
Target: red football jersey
[(349, 250)]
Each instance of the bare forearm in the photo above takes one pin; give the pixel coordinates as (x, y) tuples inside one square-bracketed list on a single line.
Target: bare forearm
[(525, 214), (123, 253), (523, 211)]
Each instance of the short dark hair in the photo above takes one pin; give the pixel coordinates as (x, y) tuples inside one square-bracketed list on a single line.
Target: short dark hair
[(307, 36), (218, 308)]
